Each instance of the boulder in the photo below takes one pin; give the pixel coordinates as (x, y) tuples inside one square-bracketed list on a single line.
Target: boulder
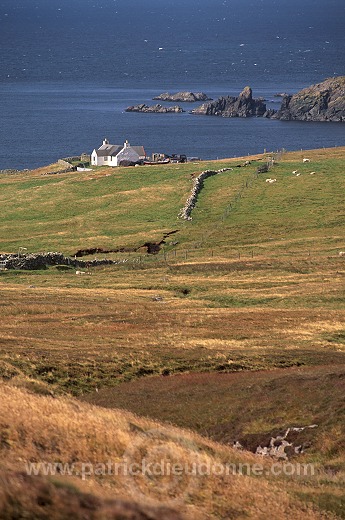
[(242, 106), (322, 102)]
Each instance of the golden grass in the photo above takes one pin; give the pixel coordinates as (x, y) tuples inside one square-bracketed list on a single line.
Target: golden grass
[(80, 333), (258, 288), (38, 429)]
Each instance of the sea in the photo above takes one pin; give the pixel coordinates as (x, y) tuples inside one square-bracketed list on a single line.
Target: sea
[(69, 68)]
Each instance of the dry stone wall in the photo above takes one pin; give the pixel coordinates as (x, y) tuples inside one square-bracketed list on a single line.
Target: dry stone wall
[(198, 185), (36, 261)]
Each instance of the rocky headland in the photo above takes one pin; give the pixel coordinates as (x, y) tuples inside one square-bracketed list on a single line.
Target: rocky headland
[(242, 106), (322, 102), (155, 109), (183, 97)]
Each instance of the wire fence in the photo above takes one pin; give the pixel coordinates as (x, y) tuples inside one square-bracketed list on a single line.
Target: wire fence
[(199, 250), (245, 255)]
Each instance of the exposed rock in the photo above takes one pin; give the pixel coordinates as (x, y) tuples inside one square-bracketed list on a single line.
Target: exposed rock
[(269, 113), (281, 94), (155, 109), (286, 445), (242, 106), (184, 97), (322, 102)]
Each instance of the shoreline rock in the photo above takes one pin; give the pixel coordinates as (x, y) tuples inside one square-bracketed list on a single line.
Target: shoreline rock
[(155, 109), (321, 102), (183, 97), (242, 106)]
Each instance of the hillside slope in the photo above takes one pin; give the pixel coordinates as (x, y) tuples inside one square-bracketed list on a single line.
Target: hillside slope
[(252, 284), (45, 430), (127, 207)]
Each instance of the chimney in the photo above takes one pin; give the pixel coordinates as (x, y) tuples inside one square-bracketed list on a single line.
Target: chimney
[(126, 145), (105, 141)]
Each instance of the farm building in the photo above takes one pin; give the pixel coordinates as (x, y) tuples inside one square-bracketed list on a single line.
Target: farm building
[(113, 154)]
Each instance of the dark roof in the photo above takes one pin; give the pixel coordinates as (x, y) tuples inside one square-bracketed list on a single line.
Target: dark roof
[(140, 150), (107, 150), (116, 149)]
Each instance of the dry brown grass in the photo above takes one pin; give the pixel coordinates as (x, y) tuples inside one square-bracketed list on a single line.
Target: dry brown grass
[(38, 429), (253, 407), (22, 496), (81, 333)]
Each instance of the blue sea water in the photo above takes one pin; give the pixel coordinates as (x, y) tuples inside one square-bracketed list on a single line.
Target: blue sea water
[(69, 68)]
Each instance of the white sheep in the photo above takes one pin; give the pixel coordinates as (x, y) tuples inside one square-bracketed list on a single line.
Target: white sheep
[(312, 173), (298, 174), (80, 272), (306, 160), (342, 253), (294, 172)]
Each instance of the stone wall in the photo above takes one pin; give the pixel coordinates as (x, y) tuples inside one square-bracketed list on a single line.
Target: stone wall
[(71, 159), (198, 185), (37, 261), (65, 170), (9, 171)]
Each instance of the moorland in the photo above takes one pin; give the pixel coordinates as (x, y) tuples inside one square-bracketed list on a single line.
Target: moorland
[(232, 331)]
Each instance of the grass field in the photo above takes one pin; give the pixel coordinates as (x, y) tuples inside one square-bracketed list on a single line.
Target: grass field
[(254, 284)]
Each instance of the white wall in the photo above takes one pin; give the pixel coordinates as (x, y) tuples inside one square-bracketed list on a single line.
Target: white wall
[(126, 154), (112, 161), (97, 161), (94, 158)]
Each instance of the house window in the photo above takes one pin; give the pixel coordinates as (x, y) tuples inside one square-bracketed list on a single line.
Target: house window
[(105, 159)]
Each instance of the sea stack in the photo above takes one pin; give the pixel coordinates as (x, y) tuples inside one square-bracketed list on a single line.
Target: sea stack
[(242, 106)]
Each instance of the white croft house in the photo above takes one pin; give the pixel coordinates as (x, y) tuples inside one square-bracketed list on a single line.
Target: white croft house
[(112, 154)]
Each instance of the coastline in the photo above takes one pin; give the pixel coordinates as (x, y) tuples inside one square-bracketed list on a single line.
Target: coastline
[(46, 169)]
